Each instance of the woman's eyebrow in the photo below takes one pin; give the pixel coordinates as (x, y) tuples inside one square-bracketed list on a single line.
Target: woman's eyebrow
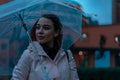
[(46, 25)]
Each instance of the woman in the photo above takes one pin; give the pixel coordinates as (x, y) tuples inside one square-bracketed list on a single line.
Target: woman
[(45, 59)]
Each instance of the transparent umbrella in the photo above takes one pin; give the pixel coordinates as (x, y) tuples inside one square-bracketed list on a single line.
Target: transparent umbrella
[(11, 25), (69, 16)]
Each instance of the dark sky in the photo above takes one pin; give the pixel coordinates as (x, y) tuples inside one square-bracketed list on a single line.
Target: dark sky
[(100, 10)]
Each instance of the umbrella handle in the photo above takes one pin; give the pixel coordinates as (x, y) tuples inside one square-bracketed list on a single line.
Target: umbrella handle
[(30, 40), (23, 23)]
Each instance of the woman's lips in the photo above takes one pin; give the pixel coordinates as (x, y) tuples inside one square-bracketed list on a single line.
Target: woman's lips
[(40, 37)]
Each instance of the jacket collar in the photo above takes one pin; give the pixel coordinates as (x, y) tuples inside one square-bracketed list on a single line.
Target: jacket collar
[(38, 49)]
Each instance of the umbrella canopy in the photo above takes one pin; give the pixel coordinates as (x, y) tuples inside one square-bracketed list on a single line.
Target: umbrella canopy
[(16, 38), (69, 16), (16, 5)]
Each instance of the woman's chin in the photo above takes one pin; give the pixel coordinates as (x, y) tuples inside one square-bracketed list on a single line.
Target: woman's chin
[(41, 41)]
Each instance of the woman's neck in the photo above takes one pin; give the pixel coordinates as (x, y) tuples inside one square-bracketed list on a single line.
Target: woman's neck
[(51, 51), (46, 45)]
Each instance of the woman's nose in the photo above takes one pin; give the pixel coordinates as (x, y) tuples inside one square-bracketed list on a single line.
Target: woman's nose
[(40, 30)]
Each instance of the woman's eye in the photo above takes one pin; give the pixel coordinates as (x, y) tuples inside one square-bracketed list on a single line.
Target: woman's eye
[(38, 26), (46, 27)]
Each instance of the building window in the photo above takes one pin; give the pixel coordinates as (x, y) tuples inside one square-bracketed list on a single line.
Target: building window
[(83, 59)]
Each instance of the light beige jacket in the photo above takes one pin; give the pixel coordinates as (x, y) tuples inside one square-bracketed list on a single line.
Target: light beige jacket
[(32, 66)]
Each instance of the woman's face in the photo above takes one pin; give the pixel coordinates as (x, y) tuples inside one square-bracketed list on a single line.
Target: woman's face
[(45, 32)]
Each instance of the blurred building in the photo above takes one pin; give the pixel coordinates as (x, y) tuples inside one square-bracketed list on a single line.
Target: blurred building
[(100, 43), (4, 1), (116, 11), (95, 42)]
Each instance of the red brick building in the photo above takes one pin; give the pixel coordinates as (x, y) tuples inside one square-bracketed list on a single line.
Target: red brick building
[(100, 38), (4, 1), (104, 38)]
